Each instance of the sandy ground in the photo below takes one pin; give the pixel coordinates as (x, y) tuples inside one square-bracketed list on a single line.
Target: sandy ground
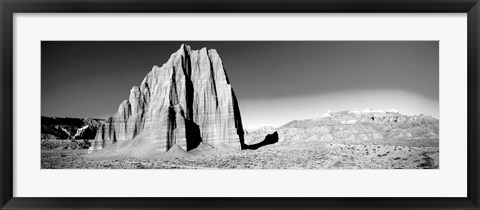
[(283, 155)]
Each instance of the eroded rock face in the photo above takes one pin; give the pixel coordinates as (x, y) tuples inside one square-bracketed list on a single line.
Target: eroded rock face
[(186, 101), (363, 126), (68, 128), (86, 132)]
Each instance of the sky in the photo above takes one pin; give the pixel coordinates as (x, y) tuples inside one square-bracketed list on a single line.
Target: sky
[(274, 81)]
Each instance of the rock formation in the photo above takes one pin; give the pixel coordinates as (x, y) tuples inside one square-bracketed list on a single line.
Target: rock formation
[(186, 101), (86, 132), (67, 128), (367, 126)]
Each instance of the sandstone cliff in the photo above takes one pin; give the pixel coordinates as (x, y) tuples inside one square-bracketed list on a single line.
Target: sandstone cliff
[(186, 101)]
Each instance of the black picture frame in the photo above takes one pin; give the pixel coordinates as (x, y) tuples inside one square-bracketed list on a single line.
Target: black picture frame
[(9, 7)]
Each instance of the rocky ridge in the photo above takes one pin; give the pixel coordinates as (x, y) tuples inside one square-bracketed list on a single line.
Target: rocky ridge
[(69, 128), (374, 126)]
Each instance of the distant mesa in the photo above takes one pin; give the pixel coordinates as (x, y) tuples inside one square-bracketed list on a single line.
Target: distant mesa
[(186, 101), (370, 125), (367, 126)]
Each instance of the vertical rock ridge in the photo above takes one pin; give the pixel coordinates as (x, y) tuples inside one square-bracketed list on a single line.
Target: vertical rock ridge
[(214, 84)]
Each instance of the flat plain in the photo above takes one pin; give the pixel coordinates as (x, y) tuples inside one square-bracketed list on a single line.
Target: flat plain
[(311, 154)]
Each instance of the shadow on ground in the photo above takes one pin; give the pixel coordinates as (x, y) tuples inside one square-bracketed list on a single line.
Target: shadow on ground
[(269, 139)]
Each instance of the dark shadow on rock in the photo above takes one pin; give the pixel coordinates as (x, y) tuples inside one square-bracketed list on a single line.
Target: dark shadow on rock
[(238, 120), (269, 139), (88, 133), (192, 134)]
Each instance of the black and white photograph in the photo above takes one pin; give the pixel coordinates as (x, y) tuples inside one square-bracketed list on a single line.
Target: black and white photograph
[(219, 105)]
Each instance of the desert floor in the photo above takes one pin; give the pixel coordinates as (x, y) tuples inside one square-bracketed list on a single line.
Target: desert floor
[(282, 155)]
